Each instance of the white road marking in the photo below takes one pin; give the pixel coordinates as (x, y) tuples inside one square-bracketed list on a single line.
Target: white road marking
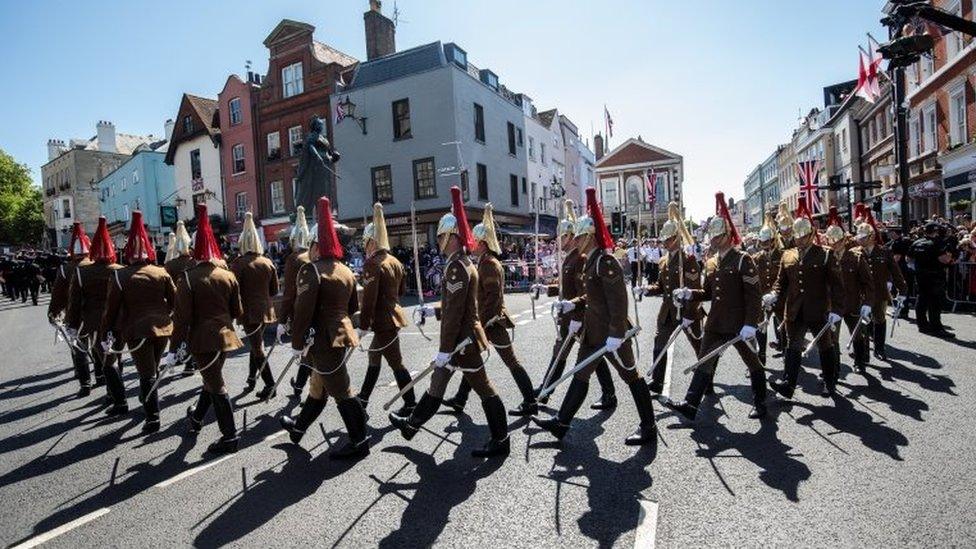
[(646, 535), (523, 322), (192, 471), (48, 536)]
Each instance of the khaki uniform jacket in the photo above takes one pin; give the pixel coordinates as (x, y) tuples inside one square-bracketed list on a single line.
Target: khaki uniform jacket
[(141, 299), (858, 282), (458, 309), (177, 265), (572, 285), (293, 263), (810, 284), (732, 285), (668, 280), (87, 295), (884, 269), (491, 292), (258, 280), (325, 299), (385, 282), (767, 265), (208, 300), (62, 282), (604, 297)]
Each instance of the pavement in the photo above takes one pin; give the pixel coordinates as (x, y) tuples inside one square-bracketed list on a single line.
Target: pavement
[(889, 462)]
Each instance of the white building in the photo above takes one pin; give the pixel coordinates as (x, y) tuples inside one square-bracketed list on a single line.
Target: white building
[(194, 153), (545, 155)]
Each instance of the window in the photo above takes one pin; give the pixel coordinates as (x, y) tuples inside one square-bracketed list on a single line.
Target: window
[(531, 148), (957, 116), (196, 172), (873, 131), (928, 66), (524, 187), (953, 40), (124, 183), (511, 139), (292, 80), (401, 119), (542, 152), (424, 182), (238, 154), (382, 184), (66, 208), (274, 145), (519, 132), (277, 197), (465, 191), (235, 111), (928, 127), (482, 182), (914, 133), (125, 211), (479, 123), (513, 188), (187, 124), (240, 200), (294, 140), (609, 194), (135, 176)]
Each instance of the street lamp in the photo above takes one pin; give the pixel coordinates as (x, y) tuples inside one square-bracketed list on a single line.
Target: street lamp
[(349, 111)]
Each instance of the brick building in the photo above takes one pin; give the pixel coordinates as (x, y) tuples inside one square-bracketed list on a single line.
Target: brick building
[(301, 75), (237, 104), (940, 93)]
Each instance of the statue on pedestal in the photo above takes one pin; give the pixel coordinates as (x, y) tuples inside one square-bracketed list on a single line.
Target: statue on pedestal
[(316, 169)]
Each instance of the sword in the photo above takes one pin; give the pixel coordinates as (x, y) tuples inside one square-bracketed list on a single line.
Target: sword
[(895, 316), (416, 271), (166, 368), (671, 339), (713, 353), (559, 354), (424, 373), (857, 329), (308, 344), (267, 357), (589, 360), (820, 334)]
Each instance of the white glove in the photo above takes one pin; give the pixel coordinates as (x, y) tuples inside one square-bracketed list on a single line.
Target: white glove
[(106, 345), (681, 294), (686, 322), (441, 360), (613, 343), (280, 332), (833, 318), (900, 300), (360, 332), (574, 326), (297, 352), (768, 300), (889, 287), (747, 333), (426, 311), (168, 360), (566, 306), (865, 311)]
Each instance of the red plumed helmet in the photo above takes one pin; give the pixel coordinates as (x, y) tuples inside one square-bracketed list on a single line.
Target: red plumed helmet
[(328, 240), (102, 249), (869, 219), (859, 211), (205, 247), (138, 247), (463, 229), (833, 217), (722, 210), (79, 245), (593, 209)]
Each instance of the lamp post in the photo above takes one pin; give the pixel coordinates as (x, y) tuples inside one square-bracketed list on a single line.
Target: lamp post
[(349, 111)]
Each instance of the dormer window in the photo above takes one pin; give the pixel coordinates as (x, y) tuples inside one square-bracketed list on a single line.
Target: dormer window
[(187, 124), (456, 55)]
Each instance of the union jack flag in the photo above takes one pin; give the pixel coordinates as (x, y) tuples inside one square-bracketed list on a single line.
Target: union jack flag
[(651, 187), (339, 114), (809, 171)]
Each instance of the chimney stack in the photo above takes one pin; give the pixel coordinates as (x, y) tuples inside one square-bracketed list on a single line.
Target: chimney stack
[(380, 32), (168, 129), (598, 146), (54, 148), (106, 136)]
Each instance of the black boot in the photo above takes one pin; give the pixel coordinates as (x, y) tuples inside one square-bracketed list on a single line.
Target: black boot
[(150, 403), (529, 405), (355, 420), (686, 409), (829, 368), (425, 409), (880, 336), (498, 444), (116, 390), (758, 381), (402, 377), (252, 375), (608, 399), (645, 410), (196, 414), (457, 402), (572, 402), (227, 444), (268, 392), (296, 427), (369, 381), (80, 362), (301, 377), (791, 370)]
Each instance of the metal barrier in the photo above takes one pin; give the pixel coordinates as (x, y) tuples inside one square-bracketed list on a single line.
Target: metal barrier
[(961, 284)]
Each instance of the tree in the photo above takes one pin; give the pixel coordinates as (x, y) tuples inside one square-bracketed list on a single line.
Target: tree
[(21, 204)]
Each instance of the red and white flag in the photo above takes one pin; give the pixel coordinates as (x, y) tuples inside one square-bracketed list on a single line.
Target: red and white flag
[(339, 114), (651, 188), (863, 86), (874, 67), (809, 171)]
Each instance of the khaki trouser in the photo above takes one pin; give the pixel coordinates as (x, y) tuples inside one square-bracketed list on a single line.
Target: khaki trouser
[(328, 378)]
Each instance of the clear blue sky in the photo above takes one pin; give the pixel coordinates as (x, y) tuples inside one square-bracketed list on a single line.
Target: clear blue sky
[(718, 81)]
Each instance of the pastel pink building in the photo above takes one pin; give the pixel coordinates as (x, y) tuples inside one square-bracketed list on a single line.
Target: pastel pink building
[(238, 153)]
